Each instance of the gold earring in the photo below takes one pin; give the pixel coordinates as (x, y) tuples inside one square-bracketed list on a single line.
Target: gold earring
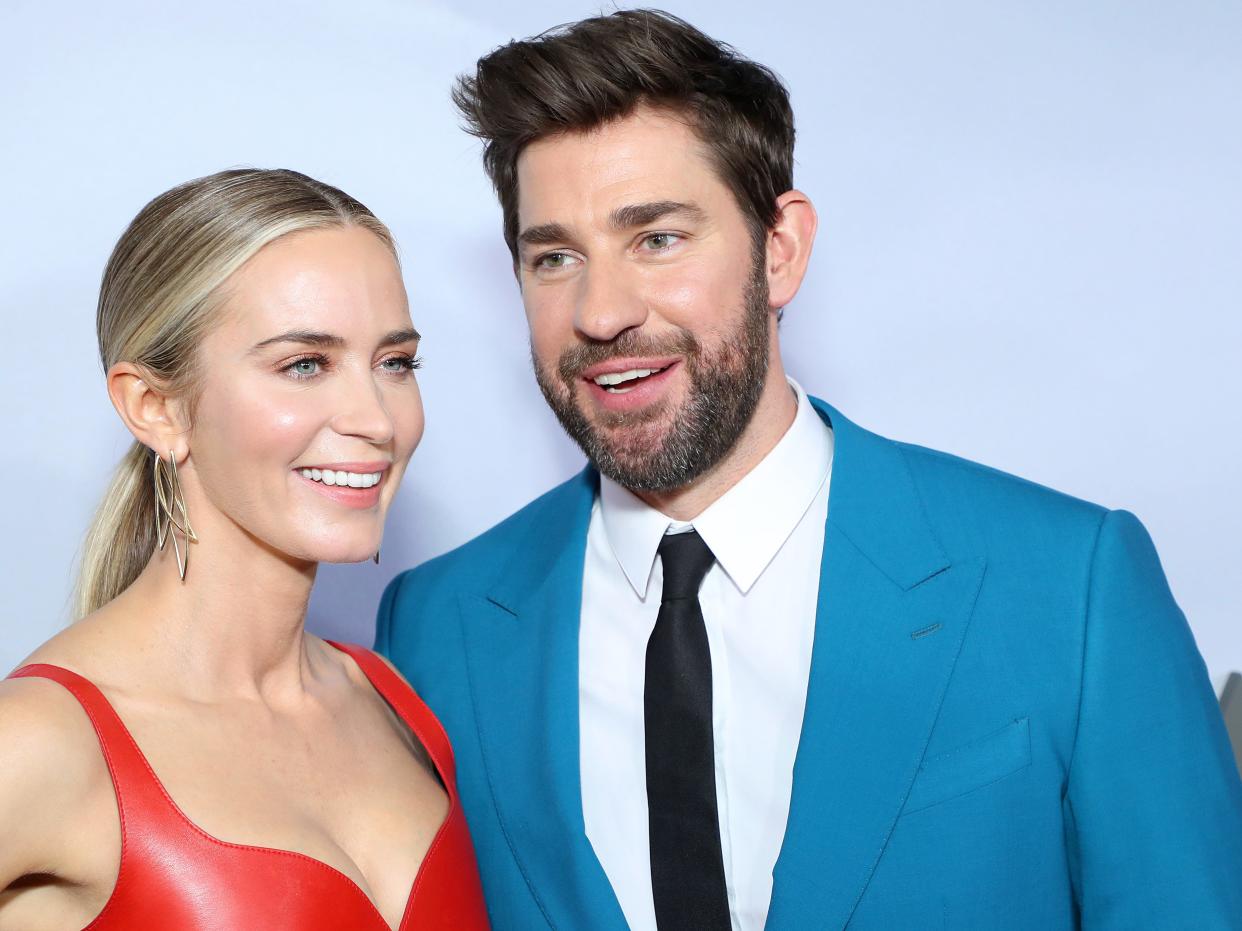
[(168, 496)]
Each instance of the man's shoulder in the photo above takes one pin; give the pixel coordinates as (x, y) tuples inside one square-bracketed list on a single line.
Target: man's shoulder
[(978, 486), (979, 510), (953, 487)]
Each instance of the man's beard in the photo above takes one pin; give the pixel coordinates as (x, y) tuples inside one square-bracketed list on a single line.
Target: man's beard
[(723, 391)]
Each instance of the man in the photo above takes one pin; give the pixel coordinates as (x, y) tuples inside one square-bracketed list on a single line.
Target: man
[(755, 666)]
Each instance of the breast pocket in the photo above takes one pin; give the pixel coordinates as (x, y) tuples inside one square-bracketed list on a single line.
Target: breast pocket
[(971, 766)]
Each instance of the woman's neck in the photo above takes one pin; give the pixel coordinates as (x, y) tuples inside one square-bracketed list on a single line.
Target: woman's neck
[(235, 628)]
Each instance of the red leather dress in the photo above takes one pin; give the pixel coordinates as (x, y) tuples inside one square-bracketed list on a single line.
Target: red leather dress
[(176, 877)]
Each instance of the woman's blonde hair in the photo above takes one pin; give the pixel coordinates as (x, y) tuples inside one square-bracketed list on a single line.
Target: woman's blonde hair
[(158, 299)]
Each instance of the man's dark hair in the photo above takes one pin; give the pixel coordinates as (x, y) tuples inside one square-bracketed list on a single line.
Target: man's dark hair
[(579, 76)]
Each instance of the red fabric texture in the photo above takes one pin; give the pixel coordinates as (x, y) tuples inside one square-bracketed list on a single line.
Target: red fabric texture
[(175, 876)]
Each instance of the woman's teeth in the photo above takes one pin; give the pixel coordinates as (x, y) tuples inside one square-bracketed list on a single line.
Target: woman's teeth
[(339, 477), (616, 382)]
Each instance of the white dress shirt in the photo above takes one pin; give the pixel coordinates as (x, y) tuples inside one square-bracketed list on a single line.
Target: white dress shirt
[(759, 602)]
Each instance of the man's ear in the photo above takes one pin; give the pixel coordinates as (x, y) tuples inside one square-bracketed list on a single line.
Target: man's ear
[(155, 419), (789, 244)]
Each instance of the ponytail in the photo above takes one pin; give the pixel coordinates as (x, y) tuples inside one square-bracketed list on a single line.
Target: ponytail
[(121, 538)]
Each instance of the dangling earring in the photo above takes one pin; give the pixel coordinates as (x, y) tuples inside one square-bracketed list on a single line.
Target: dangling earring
[(377, 557), (168, 500)]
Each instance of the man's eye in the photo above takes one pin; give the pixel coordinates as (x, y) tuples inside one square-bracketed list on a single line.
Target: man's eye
[(554, 260), (658, 242)]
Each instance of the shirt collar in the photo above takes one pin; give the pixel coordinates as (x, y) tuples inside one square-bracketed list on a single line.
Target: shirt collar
[(748, 524)]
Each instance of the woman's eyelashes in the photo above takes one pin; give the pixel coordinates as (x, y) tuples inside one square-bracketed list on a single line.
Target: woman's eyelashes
[(308, 366), (313, 365), (402, 364)]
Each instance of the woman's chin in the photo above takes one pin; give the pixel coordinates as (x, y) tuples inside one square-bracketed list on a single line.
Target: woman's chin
[(352, 556), (336, 553)]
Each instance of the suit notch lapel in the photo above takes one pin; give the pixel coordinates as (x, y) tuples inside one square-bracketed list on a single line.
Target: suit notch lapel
[(521, 640), (880, 667), (893, 613)]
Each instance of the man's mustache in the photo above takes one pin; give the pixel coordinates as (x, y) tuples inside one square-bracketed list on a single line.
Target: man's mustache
[(575, 360)]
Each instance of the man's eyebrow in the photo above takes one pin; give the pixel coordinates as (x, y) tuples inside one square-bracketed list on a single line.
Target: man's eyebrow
[(623, 218), (331, 340), (632, 215), (545, 234)]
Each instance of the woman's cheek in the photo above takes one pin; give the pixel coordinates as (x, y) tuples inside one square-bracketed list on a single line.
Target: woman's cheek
[(284, 425), (408, 421)]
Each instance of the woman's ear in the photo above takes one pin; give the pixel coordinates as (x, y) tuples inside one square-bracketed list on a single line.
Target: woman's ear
[(789, 246), (155, 419)]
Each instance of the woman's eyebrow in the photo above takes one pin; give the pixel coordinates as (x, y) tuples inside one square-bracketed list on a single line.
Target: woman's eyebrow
[(308, 337), (331, 340), (397, 337)]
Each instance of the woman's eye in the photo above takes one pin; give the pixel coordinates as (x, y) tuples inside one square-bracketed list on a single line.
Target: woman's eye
[(401, 364), (304, 368)]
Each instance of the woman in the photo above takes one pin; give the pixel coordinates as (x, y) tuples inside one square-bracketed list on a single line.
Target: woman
[(186, 756)]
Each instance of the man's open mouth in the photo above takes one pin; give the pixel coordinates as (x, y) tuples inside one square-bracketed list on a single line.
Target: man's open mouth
[(621, 382)]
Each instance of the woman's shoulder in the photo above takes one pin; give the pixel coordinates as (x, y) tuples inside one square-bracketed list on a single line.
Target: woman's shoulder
[(360, 655), (50, 767), (50, 759), (38, 715), (44, 728)]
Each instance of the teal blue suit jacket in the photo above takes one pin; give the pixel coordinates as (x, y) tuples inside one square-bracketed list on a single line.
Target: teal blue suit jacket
[(1007, 725)]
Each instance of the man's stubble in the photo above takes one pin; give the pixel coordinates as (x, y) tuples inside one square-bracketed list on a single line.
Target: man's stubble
[(724, 391)]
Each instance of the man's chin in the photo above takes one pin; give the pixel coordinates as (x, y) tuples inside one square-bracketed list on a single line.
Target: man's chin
[(605, 421), (638, 434)]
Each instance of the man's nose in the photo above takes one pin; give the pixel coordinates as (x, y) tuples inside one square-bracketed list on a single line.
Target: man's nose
[(608, 304)]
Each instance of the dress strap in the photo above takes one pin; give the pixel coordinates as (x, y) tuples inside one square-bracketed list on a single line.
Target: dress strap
[(405, 701), (139, 795)]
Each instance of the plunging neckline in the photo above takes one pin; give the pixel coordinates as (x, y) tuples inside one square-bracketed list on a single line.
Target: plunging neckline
[(350, 884)]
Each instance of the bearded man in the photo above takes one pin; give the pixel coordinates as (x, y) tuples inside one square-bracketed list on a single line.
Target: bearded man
[(756, 666)]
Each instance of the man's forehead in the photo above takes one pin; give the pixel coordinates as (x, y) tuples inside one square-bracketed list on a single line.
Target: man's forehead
[(645, 157)]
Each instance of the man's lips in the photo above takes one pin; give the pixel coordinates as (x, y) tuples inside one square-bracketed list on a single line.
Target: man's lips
[(632, 394), (627, 364)]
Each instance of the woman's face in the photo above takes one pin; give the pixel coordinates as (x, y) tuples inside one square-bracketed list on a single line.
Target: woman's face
[(309, 409)]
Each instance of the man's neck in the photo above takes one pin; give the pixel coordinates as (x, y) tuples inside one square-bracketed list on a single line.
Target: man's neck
[(773, 416)]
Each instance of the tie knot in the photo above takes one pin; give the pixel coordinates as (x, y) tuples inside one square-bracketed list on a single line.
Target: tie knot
[(686, 560)]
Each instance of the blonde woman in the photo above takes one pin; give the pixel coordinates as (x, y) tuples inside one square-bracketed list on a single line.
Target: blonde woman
[(187, 756)]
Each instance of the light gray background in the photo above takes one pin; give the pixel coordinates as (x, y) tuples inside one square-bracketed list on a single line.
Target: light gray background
[(1031, 233)]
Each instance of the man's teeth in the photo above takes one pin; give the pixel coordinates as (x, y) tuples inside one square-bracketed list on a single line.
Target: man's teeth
[(340, 477), (611, 380)]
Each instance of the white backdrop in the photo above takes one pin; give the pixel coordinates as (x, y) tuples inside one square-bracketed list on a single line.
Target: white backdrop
[(1030, 249)]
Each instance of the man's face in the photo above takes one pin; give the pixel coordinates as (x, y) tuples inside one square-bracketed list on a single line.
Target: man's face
[(646, 298)]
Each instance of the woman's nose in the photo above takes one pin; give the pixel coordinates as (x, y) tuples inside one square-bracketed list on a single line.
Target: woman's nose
[(363, 412)]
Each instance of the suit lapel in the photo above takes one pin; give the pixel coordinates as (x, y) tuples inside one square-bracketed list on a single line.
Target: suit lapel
[(521, 639), (893, 611)]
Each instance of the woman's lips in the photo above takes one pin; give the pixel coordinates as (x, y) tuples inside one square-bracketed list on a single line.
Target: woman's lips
[(356, 487)]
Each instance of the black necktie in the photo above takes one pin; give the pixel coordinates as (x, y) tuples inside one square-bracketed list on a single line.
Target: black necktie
[(687, 868)]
